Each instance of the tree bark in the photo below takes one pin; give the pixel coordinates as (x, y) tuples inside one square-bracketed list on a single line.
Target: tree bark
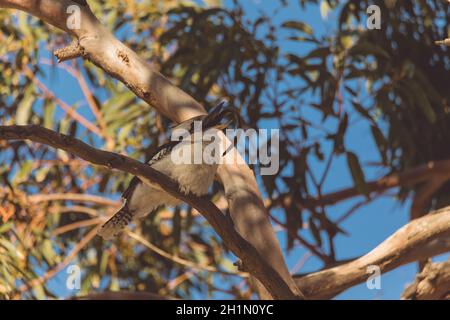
[(254, 262), (421, 238)]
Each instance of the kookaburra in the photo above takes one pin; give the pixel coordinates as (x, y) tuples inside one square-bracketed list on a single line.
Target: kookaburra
[(140, 199)]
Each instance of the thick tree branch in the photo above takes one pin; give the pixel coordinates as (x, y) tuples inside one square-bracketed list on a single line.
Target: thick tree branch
[(433, 283), (255, 263), (421, 238), (98, 45), (67, 109)]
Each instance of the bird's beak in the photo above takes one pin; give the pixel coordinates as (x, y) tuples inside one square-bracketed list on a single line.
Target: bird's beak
[(221, 117)]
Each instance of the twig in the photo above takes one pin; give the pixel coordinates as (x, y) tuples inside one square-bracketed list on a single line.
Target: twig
[(92, 103), (179, 260), (36, 198), (301, 262), (430, 170), (74, 208), (52, 272), (172, 284), (104, 50), (76, 225), (70, 112)]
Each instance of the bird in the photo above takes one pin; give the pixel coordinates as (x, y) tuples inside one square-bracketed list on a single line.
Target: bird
[(140, 199)]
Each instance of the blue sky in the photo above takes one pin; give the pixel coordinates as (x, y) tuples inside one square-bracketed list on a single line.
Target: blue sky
[(369, 226)]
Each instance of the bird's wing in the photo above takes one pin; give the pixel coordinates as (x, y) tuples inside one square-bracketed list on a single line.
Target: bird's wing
[(162, 151), (122, 218), (156, 155)]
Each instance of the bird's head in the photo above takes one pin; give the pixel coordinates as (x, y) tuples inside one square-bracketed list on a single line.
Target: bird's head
[(220, 118)]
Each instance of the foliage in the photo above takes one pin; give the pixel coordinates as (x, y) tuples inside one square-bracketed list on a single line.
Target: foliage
[(393, 80)]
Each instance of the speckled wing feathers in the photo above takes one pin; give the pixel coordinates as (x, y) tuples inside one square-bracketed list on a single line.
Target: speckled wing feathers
[(124, 216)]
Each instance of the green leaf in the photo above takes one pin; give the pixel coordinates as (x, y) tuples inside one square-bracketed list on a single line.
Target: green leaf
[(24, 109), (380, 141), (297, 25), (361, 110), (9, 246), (24, 172), (41, 174), (320, 52), (432, 94), (357, 173), (324, 9), (366, 48), (49, 110), (48, 253), (114, 286), (314, 231), (104, 262), (422, 102), (6, 226)]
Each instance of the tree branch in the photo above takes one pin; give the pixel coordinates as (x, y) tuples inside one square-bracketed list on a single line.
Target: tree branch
[(255, 263), (424, 195), (421, 238), (36, 198), (433, 283), (67, 109), (445, 42), (439, 170), (72, 51), (102, 48)]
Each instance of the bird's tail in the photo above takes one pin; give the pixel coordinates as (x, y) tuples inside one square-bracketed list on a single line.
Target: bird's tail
[(115, 224)]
